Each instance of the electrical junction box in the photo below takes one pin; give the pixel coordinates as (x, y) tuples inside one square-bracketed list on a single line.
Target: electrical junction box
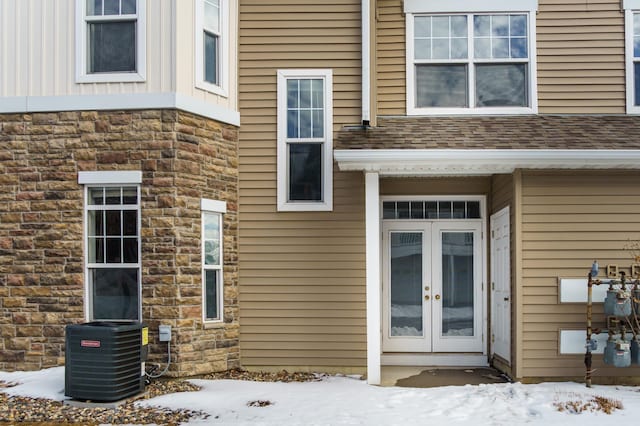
[(164, 333)]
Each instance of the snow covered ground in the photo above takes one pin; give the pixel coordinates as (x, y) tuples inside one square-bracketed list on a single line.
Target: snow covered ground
[(349, 401)]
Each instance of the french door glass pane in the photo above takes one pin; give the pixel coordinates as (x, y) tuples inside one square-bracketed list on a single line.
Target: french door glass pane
[(441, 86), (501, 85), (457, 284), (406, 284)]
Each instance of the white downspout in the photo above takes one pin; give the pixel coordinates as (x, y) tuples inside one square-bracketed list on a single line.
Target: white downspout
[(366, 62)]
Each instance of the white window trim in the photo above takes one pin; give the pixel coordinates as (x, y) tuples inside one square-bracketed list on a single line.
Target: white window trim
[(82, 76), (220, 208), (106, 182), (631, 7), (221, 89), (327, 159), (470, 6), (531, 74)]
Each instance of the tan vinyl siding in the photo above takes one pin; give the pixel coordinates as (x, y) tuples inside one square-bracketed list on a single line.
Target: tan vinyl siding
[(302, 279), (501, 192), (436, 186), (580, 57), (568, 220), (390, 58)]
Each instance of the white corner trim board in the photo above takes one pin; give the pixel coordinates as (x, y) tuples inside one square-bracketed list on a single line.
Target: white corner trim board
[(573, 342), (575, 290), (126, 101)]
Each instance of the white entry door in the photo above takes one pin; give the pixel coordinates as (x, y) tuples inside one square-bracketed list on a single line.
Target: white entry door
[(500, 285), (432, 286)]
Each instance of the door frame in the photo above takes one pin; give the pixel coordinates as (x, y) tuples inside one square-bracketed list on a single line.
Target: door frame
[(434, 359)]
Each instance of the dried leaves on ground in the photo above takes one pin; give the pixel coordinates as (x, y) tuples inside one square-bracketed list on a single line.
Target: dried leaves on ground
[(261, 376), (592, 404)]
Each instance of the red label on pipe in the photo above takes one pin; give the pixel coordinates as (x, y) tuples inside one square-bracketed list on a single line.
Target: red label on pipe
[(90, 343)]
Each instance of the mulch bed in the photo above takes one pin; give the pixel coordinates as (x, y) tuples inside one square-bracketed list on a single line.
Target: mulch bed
[(24, 411)]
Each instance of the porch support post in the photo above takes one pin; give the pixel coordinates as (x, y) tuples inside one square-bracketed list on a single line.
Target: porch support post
[(372, 209)]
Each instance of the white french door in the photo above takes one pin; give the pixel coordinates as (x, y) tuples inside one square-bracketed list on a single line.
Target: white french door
[(432, 286)]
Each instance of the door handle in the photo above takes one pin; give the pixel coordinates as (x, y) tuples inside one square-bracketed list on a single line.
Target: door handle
[(506, 299), (426, 297), (426, 288), (437, 297)]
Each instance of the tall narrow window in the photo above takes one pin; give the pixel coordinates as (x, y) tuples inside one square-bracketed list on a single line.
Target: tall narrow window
[(211, 34), (113, 252), (212, 260), (304, 140), (110, 40)]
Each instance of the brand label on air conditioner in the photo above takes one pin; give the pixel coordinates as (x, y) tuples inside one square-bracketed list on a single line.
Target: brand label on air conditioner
[(90, 343)]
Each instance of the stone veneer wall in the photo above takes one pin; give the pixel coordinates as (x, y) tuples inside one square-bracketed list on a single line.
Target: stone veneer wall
[(183, 158)]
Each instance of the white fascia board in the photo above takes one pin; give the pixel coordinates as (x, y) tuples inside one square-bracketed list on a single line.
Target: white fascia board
[(112, 177), (125, 101), (630, 4), (440, 162), (466, 6)]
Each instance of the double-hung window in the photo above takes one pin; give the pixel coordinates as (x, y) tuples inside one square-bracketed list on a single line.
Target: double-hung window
[(632, 54), (212, 260), (112, 245), (110, 40), (211, 57), (470, 62), (305, 127)]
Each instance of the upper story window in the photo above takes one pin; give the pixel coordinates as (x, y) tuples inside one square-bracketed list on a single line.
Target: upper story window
[(110, 40), (211, 34), (632, 54), (305, 134), (469, 63)]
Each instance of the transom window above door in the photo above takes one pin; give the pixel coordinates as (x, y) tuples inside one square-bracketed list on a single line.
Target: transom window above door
[(470, 63), (446, 209)]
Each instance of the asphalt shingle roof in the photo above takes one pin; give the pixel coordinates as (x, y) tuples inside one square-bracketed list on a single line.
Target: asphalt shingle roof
[(496, 132)]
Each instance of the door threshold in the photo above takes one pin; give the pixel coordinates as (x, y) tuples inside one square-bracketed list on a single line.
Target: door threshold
[(435, 360)]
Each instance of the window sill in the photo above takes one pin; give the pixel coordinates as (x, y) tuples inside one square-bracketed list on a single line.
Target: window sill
[(207, 325), (305, 207), (212, 88), (472, 111), (121, 77)]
